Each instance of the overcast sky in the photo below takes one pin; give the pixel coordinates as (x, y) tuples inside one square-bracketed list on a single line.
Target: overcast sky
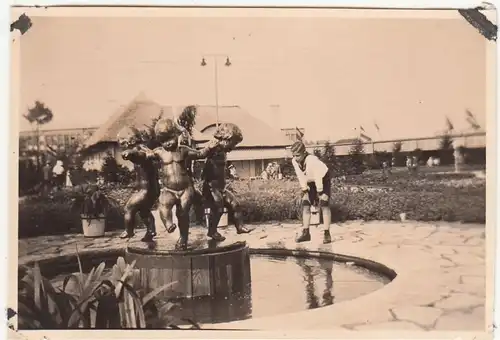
[(328, 75)]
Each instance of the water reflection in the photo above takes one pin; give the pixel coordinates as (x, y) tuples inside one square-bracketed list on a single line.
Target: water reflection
[(310, 276)]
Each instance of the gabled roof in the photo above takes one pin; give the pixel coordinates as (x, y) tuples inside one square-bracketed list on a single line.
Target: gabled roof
[(141, 111)]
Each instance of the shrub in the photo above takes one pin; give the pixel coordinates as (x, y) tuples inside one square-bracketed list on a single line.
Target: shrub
[(56, 215), (425, 197)]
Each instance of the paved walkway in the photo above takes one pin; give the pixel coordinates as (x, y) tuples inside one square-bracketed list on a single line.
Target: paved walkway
[(440, 266)]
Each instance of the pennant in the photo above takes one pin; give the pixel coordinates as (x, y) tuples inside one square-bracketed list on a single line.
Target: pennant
[(449, 124), (376, 126)]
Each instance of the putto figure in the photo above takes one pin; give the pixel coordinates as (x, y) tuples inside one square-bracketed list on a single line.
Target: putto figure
[(148, 188), (177, 185), (214, 190)]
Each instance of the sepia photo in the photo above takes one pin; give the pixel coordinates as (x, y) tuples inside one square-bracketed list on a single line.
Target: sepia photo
[(314, 170)]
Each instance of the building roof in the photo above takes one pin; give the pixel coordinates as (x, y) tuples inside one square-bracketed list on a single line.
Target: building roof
[(141, 110)]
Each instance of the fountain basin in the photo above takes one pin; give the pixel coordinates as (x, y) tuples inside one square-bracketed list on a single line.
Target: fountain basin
[(204, 270)]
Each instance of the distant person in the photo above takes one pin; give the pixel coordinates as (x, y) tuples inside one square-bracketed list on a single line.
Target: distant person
[(314, 179), (430, 162), (409, 163), (47, 178), (436, 161), (58, 172)]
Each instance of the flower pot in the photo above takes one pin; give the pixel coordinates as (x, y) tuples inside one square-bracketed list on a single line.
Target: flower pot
[(93, 227)]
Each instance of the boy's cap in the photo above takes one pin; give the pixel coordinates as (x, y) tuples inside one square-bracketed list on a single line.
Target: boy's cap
[(298, 147)]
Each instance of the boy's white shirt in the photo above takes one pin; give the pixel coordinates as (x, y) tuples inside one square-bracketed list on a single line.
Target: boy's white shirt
[(315, 170)]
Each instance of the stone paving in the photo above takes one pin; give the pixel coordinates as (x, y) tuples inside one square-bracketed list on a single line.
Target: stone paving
[(440, 285)]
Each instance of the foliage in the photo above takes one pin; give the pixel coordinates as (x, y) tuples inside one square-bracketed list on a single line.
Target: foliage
[(90, 201), (396, 153), (287, 169), (187, 118), (328, 156), (446, 142), (356, 157), (58, 214), (369, 196), (91, 300), (113, 172), (39, 114)]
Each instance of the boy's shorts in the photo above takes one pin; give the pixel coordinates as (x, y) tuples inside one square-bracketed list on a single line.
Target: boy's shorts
[(313, 191)]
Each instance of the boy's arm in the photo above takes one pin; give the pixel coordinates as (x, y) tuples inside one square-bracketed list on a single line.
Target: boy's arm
[(300, 175)]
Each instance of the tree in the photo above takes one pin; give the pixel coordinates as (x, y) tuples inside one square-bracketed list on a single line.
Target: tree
[(356, 157), (39, 114), (396, 153), (328, 155), (446, 149), (112, 172), (446, 142)]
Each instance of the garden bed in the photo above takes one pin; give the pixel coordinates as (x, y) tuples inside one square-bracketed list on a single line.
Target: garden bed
[(425, 197)]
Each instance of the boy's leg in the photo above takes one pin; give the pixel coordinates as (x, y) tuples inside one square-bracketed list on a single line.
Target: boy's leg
[(324, 203), (307, 198)]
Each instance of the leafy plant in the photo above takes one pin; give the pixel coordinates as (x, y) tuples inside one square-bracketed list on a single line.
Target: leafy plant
[(93, 301), (91, 201)]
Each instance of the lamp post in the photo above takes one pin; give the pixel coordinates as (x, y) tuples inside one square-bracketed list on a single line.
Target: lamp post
[(215, 58)]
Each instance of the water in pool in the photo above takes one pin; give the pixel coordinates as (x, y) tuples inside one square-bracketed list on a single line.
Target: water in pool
[(283, 285)]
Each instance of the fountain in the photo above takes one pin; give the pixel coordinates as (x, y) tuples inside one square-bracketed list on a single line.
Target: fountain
[(203, 270)]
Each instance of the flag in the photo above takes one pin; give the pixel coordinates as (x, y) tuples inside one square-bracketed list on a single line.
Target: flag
[(469, 114), (472, 122), (376, 126), (365, 136), (299, 132), (361, 128), (449, 124)]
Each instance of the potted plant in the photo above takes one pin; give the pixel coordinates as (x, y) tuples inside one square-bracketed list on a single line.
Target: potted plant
[(93, 205)]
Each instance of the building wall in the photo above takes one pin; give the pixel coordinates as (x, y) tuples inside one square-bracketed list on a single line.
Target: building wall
[(59, 139)]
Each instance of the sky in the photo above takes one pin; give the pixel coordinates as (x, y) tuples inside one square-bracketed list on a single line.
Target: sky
[(328, 75)]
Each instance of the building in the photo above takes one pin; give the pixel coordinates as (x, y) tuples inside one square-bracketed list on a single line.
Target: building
[(294, 134), (57, 139), (261, 143)]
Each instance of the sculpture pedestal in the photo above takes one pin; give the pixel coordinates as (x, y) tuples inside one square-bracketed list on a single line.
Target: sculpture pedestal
[(204, 270)]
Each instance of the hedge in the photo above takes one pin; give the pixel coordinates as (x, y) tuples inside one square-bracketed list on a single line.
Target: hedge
[(266, 201)]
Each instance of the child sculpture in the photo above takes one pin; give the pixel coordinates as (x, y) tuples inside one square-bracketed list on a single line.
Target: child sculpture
[(214, 190), (177, 185), (143, 200)]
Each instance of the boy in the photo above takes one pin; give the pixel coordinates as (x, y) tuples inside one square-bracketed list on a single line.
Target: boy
[(314, 179)]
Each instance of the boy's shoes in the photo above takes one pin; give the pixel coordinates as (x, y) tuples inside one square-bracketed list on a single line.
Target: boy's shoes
[(304, 236), (327, 238)]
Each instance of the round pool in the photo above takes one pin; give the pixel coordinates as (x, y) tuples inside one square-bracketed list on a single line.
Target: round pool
[(280, 285)]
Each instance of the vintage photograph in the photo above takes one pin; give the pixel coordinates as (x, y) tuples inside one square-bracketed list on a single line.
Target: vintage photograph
[(253, 169)]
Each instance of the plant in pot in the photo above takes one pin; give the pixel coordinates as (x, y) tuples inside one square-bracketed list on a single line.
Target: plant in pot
[(93, 206)]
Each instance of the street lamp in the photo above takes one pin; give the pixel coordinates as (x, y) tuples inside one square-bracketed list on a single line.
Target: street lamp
[(216, 80)]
